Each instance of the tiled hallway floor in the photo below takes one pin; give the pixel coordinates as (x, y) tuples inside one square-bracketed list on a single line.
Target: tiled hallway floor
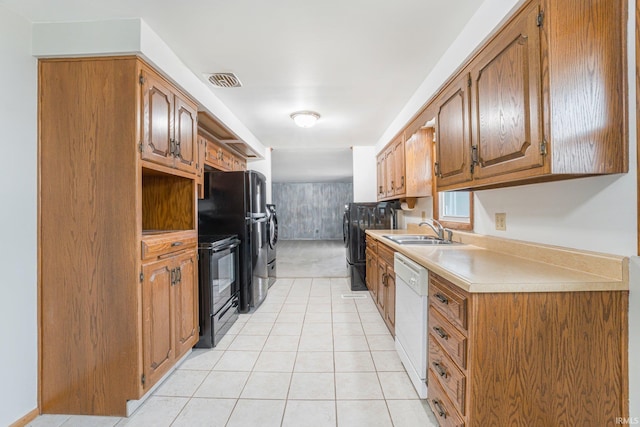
[(311, 355)]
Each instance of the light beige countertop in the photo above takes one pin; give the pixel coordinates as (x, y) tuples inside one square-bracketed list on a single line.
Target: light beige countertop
[(488, 264)]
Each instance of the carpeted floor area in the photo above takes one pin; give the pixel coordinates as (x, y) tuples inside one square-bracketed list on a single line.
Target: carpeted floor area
[(311, 258)]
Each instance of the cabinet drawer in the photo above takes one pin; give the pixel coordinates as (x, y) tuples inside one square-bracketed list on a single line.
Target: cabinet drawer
[(451, 340), (371, 244), (442, 407), (451, 378), (386, 253), (156, 245), (451, 301)]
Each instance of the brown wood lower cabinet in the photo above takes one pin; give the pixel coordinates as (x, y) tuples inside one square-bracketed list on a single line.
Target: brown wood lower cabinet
[(381, 280), (529, 359), (169, 312)]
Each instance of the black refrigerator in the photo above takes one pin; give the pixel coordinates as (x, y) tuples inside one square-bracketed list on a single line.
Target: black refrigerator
[(359, 217), (234, 203)]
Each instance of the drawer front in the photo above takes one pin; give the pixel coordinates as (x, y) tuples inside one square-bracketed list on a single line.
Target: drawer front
[(451, 301), (450, 377), (385, 253), (371, 244), (442, 407), (451, 340), (158, 245)]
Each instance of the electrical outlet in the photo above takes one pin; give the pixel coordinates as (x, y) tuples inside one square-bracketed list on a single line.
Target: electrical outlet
[(424, 215), (501, 221)]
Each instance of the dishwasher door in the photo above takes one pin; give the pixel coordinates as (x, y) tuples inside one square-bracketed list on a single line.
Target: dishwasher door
[(411, 320)]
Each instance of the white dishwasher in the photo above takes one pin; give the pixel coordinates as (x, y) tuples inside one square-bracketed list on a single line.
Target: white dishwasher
[(412, 290)]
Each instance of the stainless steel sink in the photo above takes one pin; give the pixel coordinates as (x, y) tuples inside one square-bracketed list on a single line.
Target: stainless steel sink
[(418, 239)]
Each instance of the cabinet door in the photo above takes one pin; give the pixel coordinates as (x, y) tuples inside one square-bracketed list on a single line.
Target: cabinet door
[(390, 304), (381, 282), (202, 149), (507, 100), (186, 130), (372, 272), (418, 164), (399, 168), (157, 330), (453, 142), (186, 302), (389, 172), (157, 126), (380, 179)]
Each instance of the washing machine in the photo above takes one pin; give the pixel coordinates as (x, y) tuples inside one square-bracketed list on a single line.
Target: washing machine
[(273, 240)]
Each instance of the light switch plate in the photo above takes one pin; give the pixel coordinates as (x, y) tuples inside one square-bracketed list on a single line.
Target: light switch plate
[(501, 221)]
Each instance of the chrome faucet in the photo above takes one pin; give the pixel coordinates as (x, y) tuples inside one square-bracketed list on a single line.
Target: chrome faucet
[(438, 229)]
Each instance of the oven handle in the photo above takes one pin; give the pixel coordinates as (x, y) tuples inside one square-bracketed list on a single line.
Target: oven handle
[(234, 304), (225, 248)]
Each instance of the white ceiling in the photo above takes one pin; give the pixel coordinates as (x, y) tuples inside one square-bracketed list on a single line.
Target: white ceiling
[(356, 62)]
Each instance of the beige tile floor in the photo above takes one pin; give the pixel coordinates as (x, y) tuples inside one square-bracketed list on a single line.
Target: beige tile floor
[(309, 356)]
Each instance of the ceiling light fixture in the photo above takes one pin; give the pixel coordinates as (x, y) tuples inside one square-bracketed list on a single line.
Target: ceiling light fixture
[(305, 119)]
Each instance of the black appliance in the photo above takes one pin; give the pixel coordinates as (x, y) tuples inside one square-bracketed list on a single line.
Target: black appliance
[(273, 240), (218, 286), (359, 217), (234, 203)]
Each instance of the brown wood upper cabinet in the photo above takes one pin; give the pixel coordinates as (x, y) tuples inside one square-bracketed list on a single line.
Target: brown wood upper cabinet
[(542, 100), (169, 124), (404, 166)]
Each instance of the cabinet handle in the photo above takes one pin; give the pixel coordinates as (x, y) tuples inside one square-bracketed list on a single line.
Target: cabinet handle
[(173, 277), (392, 185), (177, 148), (176, 244), (380, 191), (437, 173), (439, 408), (172, 146), (402, 181), (440, 370), (178, 275), (441, 332), (442, 298)]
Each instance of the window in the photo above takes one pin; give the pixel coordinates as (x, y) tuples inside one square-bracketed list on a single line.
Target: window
[(454, 209)]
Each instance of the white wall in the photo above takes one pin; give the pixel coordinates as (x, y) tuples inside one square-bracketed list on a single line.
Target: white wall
[(18, 175), (364, 174), (415, 215)]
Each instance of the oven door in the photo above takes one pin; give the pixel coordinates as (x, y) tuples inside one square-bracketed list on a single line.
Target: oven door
[(219, 276)]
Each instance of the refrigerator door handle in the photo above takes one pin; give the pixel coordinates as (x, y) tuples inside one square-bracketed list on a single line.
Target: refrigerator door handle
[(253, 215)]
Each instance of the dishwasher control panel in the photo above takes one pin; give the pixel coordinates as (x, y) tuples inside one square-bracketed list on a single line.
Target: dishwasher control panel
[(411, 273)]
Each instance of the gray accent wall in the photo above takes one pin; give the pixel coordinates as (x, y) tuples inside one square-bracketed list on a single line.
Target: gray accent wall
[(311, 211)]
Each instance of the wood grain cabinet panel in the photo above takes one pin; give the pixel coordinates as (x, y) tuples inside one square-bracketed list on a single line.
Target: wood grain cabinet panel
[(547, 100), (186, 303), (532, 359), (381, 280), (399, 168), (186, 132), (169, 124), (453, 142), (157, 326), (506, 99), (158, 116), (113, 211)]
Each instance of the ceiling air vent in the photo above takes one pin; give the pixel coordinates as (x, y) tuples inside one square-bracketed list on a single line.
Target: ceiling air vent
[(224, 80)]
